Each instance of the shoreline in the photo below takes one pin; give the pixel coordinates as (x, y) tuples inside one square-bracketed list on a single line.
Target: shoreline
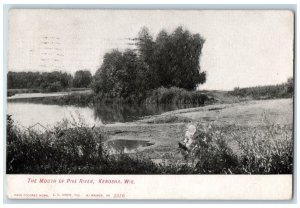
[(233, 133), (166, 132)]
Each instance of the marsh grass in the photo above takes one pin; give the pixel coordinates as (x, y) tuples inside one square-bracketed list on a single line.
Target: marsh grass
[(267, 151), (175, 95), (72, 147), (261, 150)]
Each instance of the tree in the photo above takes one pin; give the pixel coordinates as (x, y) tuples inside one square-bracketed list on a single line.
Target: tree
[(171, 60), (146, 51), (82, 78), (177, 59), (122, 75), (105, 78), (290, 85)]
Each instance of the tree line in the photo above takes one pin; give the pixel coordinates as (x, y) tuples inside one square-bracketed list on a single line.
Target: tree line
[(169, 60), (48, 81), (284, 90)]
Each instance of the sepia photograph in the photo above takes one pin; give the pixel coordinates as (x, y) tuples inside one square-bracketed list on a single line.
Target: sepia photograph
[(148, 92)]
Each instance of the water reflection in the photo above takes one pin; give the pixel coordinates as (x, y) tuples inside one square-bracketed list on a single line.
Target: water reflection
[(30, 112), (111, 113), (127, 146)]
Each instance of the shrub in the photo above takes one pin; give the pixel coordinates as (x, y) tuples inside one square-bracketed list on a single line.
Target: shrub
[(267, 151), (211, 153), (176, 95)]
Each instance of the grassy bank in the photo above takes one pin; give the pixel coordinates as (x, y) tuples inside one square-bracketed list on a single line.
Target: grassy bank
[(285, 90), (11, 92), (78, 99), (73, 148), (172, 96)]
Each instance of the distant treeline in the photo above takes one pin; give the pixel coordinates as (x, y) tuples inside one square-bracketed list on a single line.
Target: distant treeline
[(48, 81), (284, 90)]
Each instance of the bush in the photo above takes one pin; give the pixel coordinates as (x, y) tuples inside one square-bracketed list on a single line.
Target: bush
[(211, 153), (176, 95)]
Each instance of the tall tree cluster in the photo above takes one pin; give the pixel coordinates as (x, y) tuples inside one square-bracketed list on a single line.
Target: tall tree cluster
[(169, 60)]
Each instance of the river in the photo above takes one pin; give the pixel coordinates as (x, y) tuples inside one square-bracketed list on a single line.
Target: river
[(27, 114)]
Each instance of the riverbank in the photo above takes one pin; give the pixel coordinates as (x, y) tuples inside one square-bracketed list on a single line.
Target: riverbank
[(19, 92), (240, 138), (160, 96), (167, 129)]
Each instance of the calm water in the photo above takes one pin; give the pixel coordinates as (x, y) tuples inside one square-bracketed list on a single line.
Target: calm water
[(127, 146), (27, 114)]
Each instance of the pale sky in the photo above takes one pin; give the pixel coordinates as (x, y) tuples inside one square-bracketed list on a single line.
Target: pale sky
[(242, 48)]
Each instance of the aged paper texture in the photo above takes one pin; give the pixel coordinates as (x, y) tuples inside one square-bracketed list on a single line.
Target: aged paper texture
[(150, 104)]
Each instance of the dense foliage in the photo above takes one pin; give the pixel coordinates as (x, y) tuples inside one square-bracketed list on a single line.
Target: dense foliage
[(74, 148), (171, 60), (176, 95), (47, 81), (122, 76), (82, 78)]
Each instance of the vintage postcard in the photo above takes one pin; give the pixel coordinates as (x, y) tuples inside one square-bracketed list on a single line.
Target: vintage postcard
[(150, 104)]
